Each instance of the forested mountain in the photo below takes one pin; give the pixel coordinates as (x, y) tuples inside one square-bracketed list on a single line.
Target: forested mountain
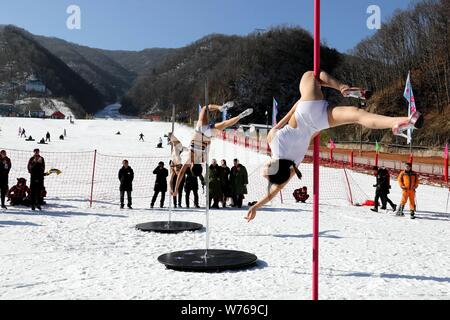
[(250, 70), (22, 56), (110, 78), (415, 40)]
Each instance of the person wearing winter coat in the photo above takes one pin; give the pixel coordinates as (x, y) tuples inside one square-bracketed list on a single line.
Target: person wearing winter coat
[(226, 190), (215, 184), (126, 177), (5, 167), (160, 184), (191, 185), (382, 186), (238, 183), (409, 182), (301, 195), (36, 168), (19, 194)]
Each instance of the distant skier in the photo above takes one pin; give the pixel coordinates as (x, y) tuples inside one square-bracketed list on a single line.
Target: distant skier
[(118, 133), (23, 133), (65, 133), (20, 131), (141, 137), (47, 137), (61, 137)]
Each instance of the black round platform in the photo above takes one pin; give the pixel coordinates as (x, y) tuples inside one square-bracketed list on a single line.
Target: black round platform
[(169, 227), (217, 260)]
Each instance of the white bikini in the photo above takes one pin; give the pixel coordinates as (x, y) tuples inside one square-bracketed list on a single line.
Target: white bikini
[(292, 143)]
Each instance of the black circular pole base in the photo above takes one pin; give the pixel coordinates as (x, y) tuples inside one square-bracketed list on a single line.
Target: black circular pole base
[(169, 227), (215, 261)]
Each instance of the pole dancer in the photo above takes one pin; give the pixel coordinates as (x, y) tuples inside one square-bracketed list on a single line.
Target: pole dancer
[(201, 139), (290, 138)]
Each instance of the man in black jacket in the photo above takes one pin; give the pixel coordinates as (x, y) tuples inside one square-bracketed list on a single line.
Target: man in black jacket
[(382, 189), (191, 184), (126, 177), (36, 168), (5, 167), (160, 184)]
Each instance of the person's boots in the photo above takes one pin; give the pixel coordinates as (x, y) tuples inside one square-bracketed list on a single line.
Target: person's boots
[(413, 214), (39, 207), (374, 209), (394, 207), (400, 211), (122, 206)]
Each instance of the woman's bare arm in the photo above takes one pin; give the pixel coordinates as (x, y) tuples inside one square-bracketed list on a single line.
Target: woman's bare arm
[(274, 190)]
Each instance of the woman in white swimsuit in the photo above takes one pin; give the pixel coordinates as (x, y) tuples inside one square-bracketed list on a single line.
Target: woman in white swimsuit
[(290, 139), (196, 155)]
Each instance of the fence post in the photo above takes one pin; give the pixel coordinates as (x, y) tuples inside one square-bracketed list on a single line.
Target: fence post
[(411, 158), (446, 169), (93, 176), (351, 159)]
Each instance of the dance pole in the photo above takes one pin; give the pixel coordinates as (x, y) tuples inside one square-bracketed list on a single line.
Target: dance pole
[(208, 231), (315, 273)]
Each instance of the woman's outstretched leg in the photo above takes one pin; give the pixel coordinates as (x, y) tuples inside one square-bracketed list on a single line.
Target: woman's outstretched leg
[(340, 116), (203, 116)]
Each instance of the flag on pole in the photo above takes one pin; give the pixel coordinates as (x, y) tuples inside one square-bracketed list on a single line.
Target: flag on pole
[(332, 145), (409, 96), (377, 147), (274, 112), (446, 151)]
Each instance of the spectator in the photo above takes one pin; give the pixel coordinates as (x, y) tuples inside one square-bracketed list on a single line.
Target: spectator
[(23, 133), (126, 177), (47, 137), (382, 189), (301, 195), (160, 184), (36, 168), (191, 184), (238, 183), (42, 141), (61, 137), (408, 181), (175, 170), (141, 137), (5, 167), (226, 190), (215, 184), (19, 194)]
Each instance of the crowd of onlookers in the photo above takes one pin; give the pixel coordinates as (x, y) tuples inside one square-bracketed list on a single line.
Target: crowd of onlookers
[(227, 186)]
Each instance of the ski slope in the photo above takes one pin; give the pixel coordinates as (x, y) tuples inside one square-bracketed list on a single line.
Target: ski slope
[(70, 251)]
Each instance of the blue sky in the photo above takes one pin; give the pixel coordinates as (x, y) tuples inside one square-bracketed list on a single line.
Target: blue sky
[(139, 24)]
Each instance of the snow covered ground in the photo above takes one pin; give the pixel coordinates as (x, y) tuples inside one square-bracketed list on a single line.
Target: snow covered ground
[(70, 251)]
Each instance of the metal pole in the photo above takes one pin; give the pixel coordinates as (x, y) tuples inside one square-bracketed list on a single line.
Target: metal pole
[(207, 173), (170, 168), (315, 272)]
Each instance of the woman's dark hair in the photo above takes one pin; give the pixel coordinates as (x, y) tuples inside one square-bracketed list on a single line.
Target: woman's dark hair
[(283, 173)]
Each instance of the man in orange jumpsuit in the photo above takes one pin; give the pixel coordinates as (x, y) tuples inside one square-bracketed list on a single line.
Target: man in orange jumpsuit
[(408, 181)]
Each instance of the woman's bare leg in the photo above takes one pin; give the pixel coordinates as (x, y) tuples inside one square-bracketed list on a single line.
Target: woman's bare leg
[(226, 124), (340, 116), (203, 116)]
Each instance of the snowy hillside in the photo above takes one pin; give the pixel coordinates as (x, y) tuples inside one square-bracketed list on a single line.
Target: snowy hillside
[(71, 251)]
